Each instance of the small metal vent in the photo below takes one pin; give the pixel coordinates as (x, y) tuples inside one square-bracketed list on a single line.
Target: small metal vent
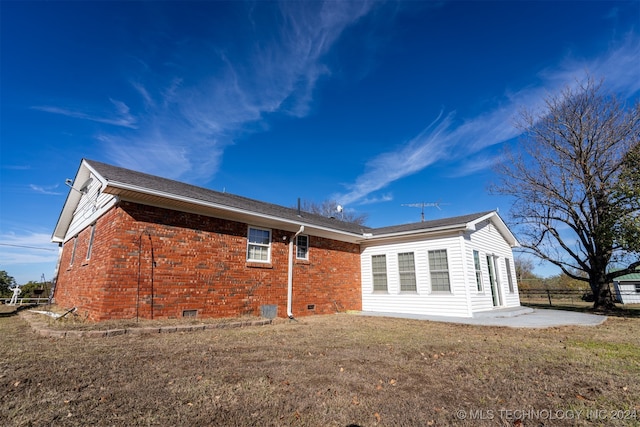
[(189, 313), (311, 306)]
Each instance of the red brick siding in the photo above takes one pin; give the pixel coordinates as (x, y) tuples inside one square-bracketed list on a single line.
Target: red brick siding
[(199, 263)]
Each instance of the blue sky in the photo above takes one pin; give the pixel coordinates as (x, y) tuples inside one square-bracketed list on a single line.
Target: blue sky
[(372, 104)]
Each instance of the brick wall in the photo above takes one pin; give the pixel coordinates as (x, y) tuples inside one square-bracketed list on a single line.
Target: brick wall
[(194, 262)]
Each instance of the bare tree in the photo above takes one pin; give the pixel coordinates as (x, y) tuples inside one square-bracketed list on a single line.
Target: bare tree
[(331, 209), (566, 179)]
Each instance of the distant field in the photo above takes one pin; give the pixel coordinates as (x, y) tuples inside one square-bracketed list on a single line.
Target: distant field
[(325, 371)]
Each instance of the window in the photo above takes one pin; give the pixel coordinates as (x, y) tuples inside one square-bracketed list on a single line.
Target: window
[(476, 263), (259, 245), (637, 288), (507, 263), (407, 270), (379, 269), (93, 232), (302, 247), (73, 250), (439, 269)]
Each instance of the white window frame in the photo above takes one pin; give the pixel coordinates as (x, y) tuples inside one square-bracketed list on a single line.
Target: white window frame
[(257, 244), (507, 264), (478, 268), (439, 271), (305, 247), (379, 286), (407, 274)]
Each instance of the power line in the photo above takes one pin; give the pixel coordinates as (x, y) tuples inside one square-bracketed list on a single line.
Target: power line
[(27, 247)]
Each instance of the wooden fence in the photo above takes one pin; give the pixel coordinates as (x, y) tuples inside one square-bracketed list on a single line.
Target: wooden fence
[(557, 297), (27, 301)]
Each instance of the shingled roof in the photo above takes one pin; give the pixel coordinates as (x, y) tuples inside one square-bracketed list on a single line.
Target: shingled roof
[(143, 187), (116, 175), (430, 225)]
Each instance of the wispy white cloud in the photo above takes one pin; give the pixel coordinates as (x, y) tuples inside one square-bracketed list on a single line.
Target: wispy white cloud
[(387, 197), (16, 167), (187, 124), (49, 190), (446, 140), (121, 117), (418, 153)]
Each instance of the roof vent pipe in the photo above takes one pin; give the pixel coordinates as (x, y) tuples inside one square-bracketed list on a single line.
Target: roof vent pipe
[(299, 210), (290, 277)]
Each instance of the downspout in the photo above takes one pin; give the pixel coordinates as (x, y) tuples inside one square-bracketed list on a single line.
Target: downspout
[(290, 276)]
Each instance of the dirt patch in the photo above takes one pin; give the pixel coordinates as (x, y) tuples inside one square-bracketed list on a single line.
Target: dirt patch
[(325, 371)]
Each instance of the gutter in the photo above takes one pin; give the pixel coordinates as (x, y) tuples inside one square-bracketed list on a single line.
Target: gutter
[(290, 275)]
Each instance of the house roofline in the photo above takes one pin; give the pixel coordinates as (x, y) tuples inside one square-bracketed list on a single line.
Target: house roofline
[(290, 225), (463, 226), (271, 216)]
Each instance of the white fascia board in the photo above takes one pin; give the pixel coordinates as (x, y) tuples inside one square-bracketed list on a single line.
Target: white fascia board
[(351, 237), (70, 204), (413, 233), (499, 224)]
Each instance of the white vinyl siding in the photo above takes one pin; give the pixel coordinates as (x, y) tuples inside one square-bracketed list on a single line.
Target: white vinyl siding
[(421, 301), (407, 272), (439, 271), (259, 245), (91, 206), (463, 300), (628, 292), (488, 242)]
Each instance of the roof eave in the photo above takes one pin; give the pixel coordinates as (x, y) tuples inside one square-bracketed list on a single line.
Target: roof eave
[(128, 192), (415, 233), (70, 205)]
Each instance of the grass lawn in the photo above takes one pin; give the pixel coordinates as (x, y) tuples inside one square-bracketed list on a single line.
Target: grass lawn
[(335, 370)]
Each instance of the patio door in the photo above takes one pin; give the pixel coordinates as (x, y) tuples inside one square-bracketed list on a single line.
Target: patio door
[(493, 281)]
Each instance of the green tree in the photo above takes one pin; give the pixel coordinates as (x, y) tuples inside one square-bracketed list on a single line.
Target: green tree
[(566, 178), (6, 282), (33, 289)]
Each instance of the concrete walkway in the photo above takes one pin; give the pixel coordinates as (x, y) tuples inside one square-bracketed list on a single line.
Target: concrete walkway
[(513, 317)]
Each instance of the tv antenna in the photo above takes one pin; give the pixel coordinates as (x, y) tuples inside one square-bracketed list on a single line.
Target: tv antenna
[(423, 205)]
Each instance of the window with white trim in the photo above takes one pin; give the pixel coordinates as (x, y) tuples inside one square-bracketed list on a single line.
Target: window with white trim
[(507, 263), (439, 271), (407, 270), (259, 245), (379, 271), (476, 263), (302, 247), (93, 233), (637, 288)]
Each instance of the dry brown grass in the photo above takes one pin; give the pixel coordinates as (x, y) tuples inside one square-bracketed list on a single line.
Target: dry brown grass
[(324, 371)]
